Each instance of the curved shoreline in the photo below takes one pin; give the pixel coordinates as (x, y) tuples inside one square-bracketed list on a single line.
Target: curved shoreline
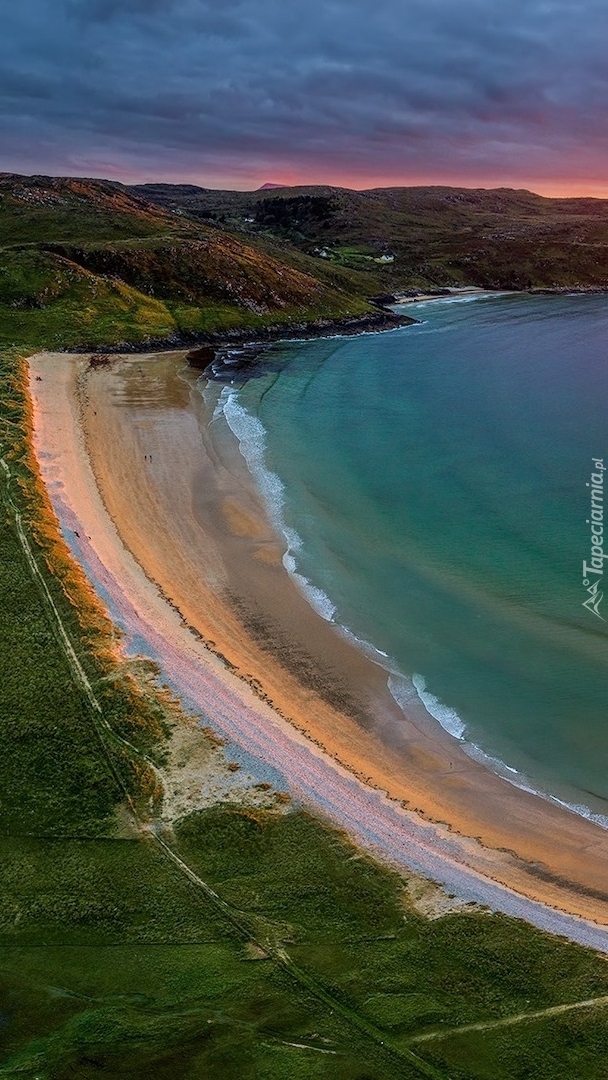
[(531, 854), (372, 322)]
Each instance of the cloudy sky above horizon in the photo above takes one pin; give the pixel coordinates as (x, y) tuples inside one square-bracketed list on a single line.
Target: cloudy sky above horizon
[(239, 92)]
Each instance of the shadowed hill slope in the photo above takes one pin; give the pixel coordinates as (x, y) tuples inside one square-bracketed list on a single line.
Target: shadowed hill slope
[(88, 263), (211, 266), (428, 236)]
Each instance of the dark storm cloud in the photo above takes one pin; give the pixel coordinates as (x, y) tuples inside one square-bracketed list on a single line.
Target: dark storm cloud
[(349, 88)]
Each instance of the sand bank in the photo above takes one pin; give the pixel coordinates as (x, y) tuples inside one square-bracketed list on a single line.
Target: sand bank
[(158, 507)]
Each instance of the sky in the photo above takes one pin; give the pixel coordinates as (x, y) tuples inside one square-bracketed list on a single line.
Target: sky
[(361, 93)]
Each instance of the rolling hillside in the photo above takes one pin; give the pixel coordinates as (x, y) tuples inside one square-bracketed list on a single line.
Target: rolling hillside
[(87, 263), (427, 236), (92, 263)]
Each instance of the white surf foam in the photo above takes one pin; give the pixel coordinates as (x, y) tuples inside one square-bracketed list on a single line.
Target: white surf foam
[(403, 692), (251, 437), (521, 781), (221, 401), (455, 298), (317, 599), (447, 717), (455, 726), (375, 654)]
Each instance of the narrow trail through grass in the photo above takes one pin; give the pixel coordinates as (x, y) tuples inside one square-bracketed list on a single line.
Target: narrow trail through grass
[(75, 665), (509, 1021), (281, 957)]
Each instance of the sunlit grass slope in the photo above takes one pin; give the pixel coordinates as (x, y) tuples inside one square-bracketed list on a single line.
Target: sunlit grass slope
[(85, 264)]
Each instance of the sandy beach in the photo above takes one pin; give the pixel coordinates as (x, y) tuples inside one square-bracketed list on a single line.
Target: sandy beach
[(157, 505)]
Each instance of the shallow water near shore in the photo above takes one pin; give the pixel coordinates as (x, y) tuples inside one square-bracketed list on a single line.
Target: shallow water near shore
[(431, 486)]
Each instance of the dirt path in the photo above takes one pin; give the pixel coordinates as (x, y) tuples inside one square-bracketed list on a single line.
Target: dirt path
[(66, 644), (281, 957), (509, 1021)]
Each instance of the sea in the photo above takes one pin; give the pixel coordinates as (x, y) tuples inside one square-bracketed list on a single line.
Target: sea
[(436, 487)]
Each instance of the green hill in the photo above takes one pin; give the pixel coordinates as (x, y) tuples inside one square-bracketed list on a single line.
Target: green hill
[(34, 209), (87, 263), (429, 236), (92, 263)]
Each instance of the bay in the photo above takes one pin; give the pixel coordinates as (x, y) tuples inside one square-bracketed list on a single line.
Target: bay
[(432, 486)]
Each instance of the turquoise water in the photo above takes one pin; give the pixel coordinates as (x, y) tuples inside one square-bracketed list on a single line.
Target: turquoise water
[(431, 483)]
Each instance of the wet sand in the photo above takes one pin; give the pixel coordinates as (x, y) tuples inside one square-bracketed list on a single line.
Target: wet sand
[(158, 506)]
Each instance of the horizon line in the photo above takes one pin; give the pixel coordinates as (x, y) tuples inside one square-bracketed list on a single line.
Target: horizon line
[(277, 186)]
